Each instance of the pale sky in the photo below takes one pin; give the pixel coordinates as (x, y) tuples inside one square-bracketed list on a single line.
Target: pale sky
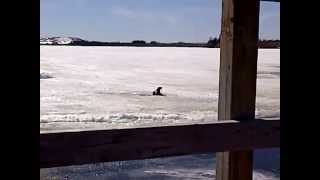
[(159, 20)]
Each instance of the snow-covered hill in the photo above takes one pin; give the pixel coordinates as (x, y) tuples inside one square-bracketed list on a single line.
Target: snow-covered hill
[(59, 40)]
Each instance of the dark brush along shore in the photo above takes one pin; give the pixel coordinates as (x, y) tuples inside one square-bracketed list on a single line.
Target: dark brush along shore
[(212, 43)]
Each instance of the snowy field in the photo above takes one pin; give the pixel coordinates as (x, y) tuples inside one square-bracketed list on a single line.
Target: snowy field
[(111, 87)]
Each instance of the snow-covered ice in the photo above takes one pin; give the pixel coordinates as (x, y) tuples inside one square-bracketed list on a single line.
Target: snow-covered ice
[(111, 87), (192, 167)]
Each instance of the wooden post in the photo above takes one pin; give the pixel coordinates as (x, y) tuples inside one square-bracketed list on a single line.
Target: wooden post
[(237, 83)]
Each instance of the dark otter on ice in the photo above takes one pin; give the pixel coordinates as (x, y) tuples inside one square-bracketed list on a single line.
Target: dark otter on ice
[(157, 92)]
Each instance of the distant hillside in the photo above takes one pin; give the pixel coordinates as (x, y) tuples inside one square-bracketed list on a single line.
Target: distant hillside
[(59, 40), (212, 43)]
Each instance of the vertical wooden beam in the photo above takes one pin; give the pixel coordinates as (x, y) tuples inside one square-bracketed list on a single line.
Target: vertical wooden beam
[(237, 83)]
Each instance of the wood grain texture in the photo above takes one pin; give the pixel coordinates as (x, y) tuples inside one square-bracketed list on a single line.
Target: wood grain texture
[(76, 148), (237, 80)]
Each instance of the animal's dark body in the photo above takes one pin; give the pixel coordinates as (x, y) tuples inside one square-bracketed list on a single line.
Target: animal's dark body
[(157, 92)]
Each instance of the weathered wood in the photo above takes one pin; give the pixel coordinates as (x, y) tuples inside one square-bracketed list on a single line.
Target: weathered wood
[(237, 83), (75, 148)]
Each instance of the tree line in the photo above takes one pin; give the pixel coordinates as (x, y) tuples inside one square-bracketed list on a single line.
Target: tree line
[(211, 43)]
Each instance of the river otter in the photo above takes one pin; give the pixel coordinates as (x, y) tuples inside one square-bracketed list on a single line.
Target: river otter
[(157, 92)]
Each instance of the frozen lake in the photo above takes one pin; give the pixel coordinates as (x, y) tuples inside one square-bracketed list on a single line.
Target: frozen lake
[(111, 87)]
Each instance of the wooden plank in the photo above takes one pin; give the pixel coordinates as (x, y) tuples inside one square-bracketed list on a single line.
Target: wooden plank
[(237, 83), (76, 148)]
